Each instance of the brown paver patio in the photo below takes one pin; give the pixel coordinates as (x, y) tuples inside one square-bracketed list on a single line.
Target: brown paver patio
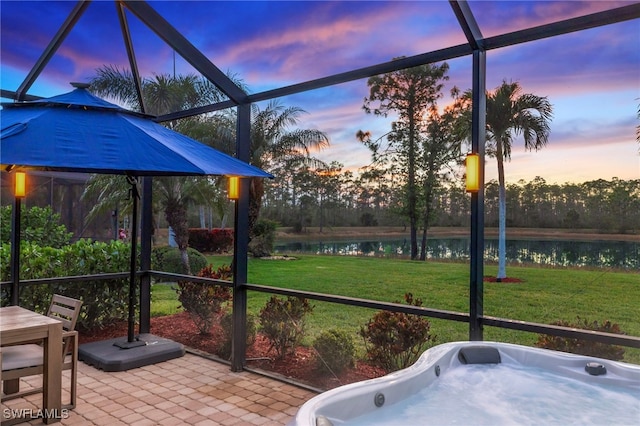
[(191, 390)]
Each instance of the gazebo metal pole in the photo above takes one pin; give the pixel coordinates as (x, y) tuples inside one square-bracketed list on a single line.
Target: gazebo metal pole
[(132, 267), (132, 342), (146, 231)]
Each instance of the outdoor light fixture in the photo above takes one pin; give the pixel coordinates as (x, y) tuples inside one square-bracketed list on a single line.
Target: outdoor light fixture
[(233, 190), (21, 184), (473, 172)]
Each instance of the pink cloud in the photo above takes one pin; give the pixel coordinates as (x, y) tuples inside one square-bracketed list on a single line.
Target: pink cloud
[(496, 18), (570, 9), (577, 164), (316, 48)]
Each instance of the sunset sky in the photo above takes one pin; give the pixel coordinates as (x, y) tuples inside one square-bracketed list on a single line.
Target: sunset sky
[(592, 78)]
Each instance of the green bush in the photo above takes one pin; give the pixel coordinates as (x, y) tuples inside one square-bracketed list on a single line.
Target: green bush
[(38, 225), (263, 238), (282, 322), (104, 301), (157, 257), (226, 323), (368, 219), (203, 301), (395, 340), (169, 259), (335, 351), (584, 347)]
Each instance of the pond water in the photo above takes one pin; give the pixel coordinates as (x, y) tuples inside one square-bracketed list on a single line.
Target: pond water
[(608, 254)]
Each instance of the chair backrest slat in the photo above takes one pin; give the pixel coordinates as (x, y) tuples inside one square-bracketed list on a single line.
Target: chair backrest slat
[(66, 310)]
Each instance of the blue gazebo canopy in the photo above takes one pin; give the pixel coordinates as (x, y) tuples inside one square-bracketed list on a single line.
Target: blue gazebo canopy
[(80, 132)]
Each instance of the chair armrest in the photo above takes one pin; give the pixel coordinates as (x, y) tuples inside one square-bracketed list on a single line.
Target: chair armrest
[(69, 341)]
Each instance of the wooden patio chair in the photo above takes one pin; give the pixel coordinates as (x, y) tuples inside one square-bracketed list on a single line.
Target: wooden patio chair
[(27, 360)]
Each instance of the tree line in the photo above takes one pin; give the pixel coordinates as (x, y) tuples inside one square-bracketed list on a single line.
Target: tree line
[(332, 197)]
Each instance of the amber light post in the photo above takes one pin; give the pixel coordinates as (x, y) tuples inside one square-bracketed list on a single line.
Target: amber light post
[(473, 173), (233, 190), (21, 185), (19, 192)]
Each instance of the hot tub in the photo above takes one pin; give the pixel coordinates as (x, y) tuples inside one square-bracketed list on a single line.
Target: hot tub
[(486, 383)]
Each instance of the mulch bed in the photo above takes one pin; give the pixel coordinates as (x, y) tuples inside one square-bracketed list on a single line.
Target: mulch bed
[(299, 366)]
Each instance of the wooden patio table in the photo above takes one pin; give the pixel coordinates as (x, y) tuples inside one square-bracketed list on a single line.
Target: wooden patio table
[(19, 326)]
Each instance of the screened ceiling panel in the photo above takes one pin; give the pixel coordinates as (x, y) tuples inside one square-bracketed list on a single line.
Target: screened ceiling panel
[(273, 44), (317, 55), (266, 44), (500, 17)]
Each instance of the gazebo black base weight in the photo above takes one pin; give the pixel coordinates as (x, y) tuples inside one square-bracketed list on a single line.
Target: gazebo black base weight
[(120, 355), (126, 344)]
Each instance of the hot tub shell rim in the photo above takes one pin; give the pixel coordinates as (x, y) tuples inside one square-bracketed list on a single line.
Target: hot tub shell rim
[(360, 395)]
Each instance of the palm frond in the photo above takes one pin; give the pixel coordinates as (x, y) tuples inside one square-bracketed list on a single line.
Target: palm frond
[(115, 83), (109, 191)]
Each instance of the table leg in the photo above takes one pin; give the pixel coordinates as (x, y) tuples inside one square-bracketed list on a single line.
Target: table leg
[(52, 377), (11, 386)]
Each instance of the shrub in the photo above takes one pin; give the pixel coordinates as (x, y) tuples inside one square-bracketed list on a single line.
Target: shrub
[(217, 240), (368, 219), (226, 323), (104, 301), (584, 347), (395, 340), (221, 240), (157, 257), (198, 238), (39, 225), (169, 259), (263, 238), (203, 301), (335, 351), (282, 322), (297, 227)]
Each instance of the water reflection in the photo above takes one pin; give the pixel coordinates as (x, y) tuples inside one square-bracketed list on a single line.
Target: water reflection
[(616, 254)]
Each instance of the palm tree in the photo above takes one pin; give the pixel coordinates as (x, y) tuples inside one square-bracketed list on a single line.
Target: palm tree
[(162, 94), (274, 143), (511, 113), (170, 194)]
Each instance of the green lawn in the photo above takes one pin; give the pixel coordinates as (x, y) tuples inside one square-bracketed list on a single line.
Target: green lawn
[(544, 296), (164, 300)]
